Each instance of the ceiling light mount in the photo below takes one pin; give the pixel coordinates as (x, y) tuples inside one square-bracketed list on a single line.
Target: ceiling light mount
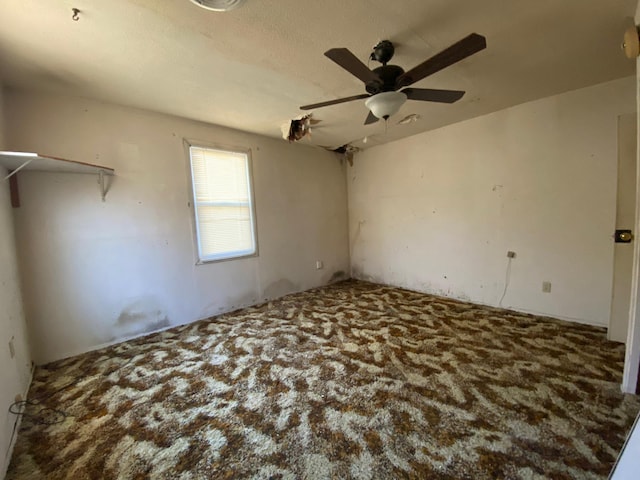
[(219, 5), (383, 52), (631, 42)]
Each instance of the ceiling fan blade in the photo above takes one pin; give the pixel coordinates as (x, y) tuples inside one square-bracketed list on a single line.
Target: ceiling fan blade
[(456, 52), (334, 102), (431, 95), (371, 118), (351, 63)]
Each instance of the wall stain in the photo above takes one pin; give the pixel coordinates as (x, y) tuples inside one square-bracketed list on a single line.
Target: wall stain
[(358, 274), (127, 317), (356, 235), (229, 304), (162, 323), (338, 276), (143, 315), (280, 288)]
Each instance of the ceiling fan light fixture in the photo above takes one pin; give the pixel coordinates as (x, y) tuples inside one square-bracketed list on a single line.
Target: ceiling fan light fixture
[(219, 5), (385, 104)]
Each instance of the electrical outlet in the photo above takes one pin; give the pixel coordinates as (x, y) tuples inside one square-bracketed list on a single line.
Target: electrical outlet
[(319, 264), (511, 254), (546, 287)]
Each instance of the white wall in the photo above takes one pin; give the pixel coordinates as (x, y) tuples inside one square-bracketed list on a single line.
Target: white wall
[(438, 211), (15, 370), (95, 272)]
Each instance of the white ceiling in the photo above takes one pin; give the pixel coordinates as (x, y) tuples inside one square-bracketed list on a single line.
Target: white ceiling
[(252, 68)]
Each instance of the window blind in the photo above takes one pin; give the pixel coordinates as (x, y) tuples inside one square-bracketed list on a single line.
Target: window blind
[(222, 201)]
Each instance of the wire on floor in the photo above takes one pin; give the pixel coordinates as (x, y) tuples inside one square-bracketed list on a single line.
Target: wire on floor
[(49, 415), (44, 416)]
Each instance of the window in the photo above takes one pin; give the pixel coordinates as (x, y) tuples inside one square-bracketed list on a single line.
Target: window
[(225, 220)]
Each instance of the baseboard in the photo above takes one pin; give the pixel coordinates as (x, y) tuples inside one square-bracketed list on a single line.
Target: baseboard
[(474, 302), (75, 353)]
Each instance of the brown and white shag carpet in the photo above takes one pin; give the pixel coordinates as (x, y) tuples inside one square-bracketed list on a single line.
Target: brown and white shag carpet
[(353, 380)]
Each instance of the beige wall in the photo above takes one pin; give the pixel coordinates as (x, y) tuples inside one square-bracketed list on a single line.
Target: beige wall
[(96, 273), (438, 211), (15, 370)]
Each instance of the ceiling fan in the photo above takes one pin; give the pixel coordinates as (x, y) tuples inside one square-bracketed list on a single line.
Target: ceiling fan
[(383, 84)]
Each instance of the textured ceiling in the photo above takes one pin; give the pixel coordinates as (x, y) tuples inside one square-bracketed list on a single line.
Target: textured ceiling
[(252, 68)]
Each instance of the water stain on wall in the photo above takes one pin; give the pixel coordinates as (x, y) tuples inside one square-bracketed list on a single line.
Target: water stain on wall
[(338, 276), (142, 315), (359, 274)]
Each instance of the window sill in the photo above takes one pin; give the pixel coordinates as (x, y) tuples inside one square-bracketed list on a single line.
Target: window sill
[(235, 256)]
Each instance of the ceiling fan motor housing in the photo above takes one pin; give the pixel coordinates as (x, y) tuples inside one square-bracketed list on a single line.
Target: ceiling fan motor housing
[(388, 75)]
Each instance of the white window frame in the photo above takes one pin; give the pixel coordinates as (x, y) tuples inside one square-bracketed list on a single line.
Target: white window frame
[(230, 255)]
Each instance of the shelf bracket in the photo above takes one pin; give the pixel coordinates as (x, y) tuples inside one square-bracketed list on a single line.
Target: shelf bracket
[(103, 189), (18, 169)]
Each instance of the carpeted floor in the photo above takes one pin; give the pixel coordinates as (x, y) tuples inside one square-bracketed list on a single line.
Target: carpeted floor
[(353, 380)]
